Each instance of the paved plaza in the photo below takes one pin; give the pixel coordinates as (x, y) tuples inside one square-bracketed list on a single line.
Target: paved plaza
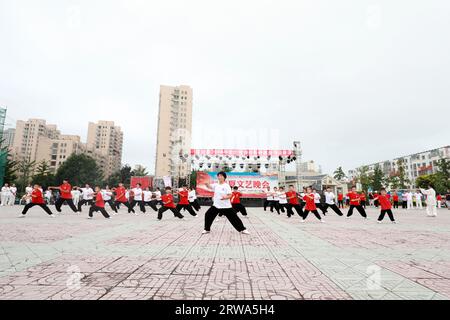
[(138, 257)]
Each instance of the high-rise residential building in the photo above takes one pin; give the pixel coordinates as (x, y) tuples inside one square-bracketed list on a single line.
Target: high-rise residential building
[(8, 138), (107, 139), (415, 165), (174, 131), (35, 140)]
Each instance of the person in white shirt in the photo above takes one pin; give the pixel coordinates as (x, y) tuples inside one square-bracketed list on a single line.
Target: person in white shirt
[(330, 202), (283, 200), (275, 202), (158, 196), (107, 195), (13, 195), (29, 190), (87, 197), (268, 199), (317, 201), (6, 192), (431, 201), (193, 199), (138, 198), (409, 199), (76, 195), (148, 199), (222, 204), (418, 197), (48, 196)]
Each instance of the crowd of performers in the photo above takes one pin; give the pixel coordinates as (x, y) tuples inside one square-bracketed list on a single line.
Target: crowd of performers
[(226, 201)]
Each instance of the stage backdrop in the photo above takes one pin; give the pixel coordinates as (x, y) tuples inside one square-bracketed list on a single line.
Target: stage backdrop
[(251, 185), (146, 182)]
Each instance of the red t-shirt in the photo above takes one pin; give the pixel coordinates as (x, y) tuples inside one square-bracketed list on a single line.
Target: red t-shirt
[(99, 202), (65, 190), (36, 197), (310, 204), (439, 198), (168, 201), (362, 197), (184, 197), (354, 198), (236, 197), (395, 197), (121, 194), (385, 203), (294, 196), (340, 197)]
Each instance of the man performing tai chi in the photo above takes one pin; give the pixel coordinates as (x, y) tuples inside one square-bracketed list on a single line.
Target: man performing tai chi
[(330, 202), (184, 203), (65, 196), (148, 199), (431, 201), (107, 197), (87, 197), (386, 206), (310, 205), (294, 203), (168, 204), (236, 201), (37, 199), (193, 199), (355, 203), (121, 197), (222, 204), (99, 204)]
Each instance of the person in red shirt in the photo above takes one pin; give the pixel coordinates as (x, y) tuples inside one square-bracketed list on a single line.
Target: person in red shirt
[(385, 205), (293, 203), (99, 204), (439, 201), (310, 205), (37, 199), (341, 200), (395, 199), (184, 201), (121, 198), (236, 202), (65, 196), (168, 204), (354, 200), (363, 199)]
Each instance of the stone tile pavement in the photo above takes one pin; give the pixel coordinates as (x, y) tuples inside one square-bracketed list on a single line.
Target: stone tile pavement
[(138, 257)]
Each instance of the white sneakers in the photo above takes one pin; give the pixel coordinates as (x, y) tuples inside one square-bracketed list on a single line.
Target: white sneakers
[(245, 232), (21, 216), (206, 232)]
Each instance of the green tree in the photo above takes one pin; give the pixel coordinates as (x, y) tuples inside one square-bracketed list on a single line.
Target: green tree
[(121, 176), (43, 176), (139, 171), (25, 169), (377, 178), (363, 178), (80, 169), (11, 169), (393, 181), (425, 180), (339, 174)]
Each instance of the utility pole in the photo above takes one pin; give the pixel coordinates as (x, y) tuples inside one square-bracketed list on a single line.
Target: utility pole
[(298, 164)]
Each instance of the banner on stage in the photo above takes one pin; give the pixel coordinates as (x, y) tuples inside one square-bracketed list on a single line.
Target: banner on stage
[(146, 182), (251, 184)]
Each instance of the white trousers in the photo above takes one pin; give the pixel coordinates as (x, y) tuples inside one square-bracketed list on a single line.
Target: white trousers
[(410, 204), (11, 200), (5, 199), (432, 211), (419, 204), (439, 205), (76, 200)]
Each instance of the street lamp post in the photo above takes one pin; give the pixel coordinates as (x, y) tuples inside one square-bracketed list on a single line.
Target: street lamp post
[(298, 163)]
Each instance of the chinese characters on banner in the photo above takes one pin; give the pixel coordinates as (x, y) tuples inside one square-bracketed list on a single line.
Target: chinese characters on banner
[(251, 185)]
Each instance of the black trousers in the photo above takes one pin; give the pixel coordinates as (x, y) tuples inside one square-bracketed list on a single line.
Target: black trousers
[(395, 204), (363, 204), (404, 204), (31, 205), (315, 212), (275, 205), (94, 208), (60, 202), (231, 215), (283, 207), (297, 207), (360, 209), (174, 210), (238, 207), (389, 213), (125, 203), (196, 205), (322, 208), (139, 203), (112, 205), (341, 204), (266, 204), (83, 202), (151, 204), (187, 207), (335, 209), (376, 203)]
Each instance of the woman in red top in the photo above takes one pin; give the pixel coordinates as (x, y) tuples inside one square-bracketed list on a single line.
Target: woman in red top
[(395, 199), (65, 196), (355, 203), (121, 198), (168, 204), (385, 205), (99, 204), (37, 199), (184, 201), (310, 205), (236, 202)]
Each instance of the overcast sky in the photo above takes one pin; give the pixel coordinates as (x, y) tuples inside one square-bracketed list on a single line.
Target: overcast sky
[(356, 81)]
